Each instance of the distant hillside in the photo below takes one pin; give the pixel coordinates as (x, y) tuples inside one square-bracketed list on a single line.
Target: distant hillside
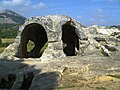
[(8, 30), (10, 17), (9, 23)]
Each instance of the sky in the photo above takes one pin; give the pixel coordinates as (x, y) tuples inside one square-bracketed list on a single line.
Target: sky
[(87, 12)]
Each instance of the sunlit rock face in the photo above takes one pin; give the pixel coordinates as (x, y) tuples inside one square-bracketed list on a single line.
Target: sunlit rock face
[(57, 36), (95, 29), (53, 36)]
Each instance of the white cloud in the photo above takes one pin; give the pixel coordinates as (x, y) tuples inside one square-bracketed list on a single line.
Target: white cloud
[(12, 3), (21, 2), (39, 5), (21, 5)]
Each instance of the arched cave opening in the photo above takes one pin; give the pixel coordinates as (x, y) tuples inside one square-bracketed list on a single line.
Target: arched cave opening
[(36, 34), (70, 40)]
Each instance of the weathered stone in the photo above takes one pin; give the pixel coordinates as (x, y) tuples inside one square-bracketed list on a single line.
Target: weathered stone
[(111, 47), (60, 32), (66, 72), (49, 81), (88, 69), (105, 51), (102, 30), (57, 36)]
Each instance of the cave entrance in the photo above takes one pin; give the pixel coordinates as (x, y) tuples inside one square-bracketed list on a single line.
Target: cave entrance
[(33, 41), (70, 40)]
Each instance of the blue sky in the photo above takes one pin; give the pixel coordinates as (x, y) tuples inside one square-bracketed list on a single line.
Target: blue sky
[(87, 12)]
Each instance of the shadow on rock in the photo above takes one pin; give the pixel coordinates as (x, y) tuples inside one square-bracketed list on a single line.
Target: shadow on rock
[(17, 75), (46, 81)]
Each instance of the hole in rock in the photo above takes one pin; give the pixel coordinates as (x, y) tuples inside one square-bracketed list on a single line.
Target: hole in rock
[(7, 83), (70, 40), (33, 41), (30, 46), (27, 81)]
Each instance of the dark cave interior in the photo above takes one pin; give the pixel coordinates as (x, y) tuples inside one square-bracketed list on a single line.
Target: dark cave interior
[(37, 34), (70, 40)]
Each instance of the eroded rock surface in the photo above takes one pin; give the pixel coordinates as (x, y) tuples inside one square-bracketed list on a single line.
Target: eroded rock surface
[(86, 72), (59, 33), (66, 56), (57, 36)]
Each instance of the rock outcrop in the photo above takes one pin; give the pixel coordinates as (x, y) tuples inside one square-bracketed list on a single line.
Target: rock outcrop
[(60, 34), (84, 73), (56, 36), (66, 56), (103, 37)]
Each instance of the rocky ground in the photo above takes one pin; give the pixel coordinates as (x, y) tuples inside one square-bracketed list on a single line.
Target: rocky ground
[(96, 65), (70, 73)]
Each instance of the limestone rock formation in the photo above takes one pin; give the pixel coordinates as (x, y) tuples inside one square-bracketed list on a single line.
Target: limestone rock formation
[(56, 36), (103, 38), (84, 73), (66, 56), (59, 33)]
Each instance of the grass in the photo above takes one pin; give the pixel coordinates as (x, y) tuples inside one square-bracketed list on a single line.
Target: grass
[(43, 48), (2, 49), (8, 40), (30, 45), (5, 43)]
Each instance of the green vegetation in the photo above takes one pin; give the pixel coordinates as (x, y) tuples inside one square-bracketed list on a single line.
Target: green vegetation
[(114, 26), (115, 76), (8, 30), (43, 48), (5, 43), (7, 34), (30, 46)]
